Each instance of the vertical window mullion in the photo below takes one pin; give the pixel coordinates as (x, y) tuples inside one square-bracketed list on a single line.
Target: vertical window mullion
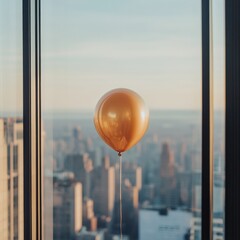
[(32, 120), (207, 125), (27, 119), (39, 166), (232, 197)]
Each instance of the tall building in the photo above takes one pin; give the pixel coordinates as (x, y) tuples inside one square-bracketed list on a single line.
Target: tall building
[(48, 206), (47, 193), (89, 219), (185, 188), (3, 185), (133, 173), (103, 188), (81, 166), (168, 182), (67, 207), (14, 141), (180, 156), (78, 145), (130, 201), (147, 194)]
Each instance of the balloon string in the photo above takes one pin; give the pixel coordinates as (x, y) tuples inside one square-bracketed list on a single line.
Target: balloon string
[(120, 192)]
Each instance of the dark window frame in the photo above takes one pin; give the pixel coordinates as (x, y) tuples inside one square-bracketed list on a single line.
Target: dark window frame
[(32, 121), (207, 125), (32, 167), (232, 192)]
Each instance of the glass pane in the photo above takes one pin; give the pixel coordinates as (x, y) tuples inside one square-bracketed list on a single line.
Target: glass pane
[(154, 48), (11, 121), (218, 32)]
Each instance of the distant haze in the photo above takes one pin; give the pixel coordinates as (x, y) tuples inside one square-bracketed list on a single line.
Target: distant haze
[(90, 47)]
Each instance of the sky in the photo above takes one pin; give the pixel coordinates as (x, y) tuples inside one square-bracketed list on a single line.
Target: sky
[(92, 46), (10, 56)]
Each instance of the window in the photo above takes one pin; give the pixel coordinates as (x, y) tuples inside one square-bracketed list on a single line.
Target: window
[(15, 158), (151, 48), (118, 40)]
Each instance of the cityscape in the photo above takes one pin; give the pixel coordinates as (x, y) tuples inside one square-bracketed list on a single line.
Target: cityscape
[(88, 47), (161, 180)]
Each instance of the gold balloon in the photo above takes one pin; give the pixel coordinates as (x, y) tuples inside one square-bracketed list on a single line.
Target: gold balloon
[(121, 119)]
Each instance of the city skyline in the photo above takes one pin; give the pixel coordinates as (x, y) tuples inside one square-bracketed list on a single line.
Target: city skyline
[(185, 142), (88, 47), (74, 155)]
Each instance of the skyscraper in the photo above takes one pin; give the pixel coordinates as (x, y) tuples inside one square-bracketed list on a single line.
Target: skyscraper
[(81, 166), (103, 190), (133, 173), (89, 219), (168, 182), (67, 207), (185, 188), (3, 185), (79, 146), (130, 195), (14, 141), (129, 212)]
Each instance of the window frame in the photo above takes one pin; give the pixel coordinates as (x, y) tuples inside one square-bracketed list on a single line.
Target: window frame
[(232, 140), (32, 166), (33, 192), (207, 123)]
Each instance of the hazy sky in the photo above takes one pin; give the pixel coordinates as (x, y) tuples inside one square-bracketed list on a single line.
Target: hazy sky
[(92, 46), (10, 55)]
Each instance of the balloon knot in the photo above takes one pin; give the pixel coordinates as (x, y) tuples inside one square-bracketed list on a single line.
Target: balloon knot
[(119, 154)]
